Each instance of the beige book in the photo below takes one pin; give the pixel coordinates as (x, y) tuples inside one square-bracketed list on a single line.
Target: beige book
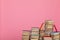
[(25, 32), (25, 37), (34, 36), (42, 34), (47, 35), (56, 39), (49, 29), (55, 35), (49, 22), (34, 32), (47, 38), (48, 26), (35, 29), (34, 39)]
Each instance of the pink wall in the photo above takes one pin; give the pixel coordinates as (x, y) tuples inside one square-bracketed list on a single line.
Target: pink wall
[(17, 15)]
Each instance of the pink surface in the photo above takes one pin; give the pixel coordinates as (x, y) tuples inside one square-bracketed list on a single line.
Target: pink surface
[(18, 15)]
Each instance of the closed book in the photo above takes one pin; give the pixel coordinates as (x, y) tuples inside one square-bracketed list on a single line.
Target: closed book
[(48, 30), (25, 32), (50, 22), (55, 35), (35, 29), (34, 32), (34, 39), (48, 26), (47, 38), (56, 39), (25, 37)]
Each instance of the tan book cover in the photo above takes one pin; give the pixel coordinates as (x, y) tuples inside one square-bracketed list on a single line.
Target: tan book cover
[(48, 26), (35, 29), (34, 36), (49, 22), (56, 39), (34, 39), (26, 32), (24, 37), (47, 38), (34, 32), (55, 35)]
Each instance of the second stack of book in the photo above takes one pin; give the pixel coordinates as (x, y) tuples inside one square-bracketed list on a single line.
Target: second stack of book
[(35, 33)]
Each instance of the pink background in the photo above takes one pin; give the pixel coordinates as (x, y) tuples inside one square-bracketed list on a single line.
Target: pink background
[(18, 15)]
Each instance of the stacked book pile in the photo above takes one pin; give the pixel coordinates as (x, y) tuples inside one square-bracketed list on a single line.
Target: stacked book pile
[(35, 33), (26, 35), (38, 34)]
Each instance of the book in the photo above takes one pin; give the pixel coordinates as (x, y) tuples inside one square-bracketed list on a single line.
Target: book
[(50, 22), (47, 38), (55, 35), (35, 29), (34, 39), (34, 32), (25, 37), (26, 32)]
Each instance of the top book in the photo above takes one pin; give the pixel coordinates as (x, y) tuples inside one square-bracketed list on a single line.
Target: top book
[(26, 33), (35, 29), (49, 22)]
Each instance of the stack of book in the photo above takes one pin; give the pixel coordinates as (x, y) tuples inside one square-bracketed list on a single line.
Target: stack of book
[(35, 33), (38, 34), (55, 35), (48, 27), (26, 35)]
